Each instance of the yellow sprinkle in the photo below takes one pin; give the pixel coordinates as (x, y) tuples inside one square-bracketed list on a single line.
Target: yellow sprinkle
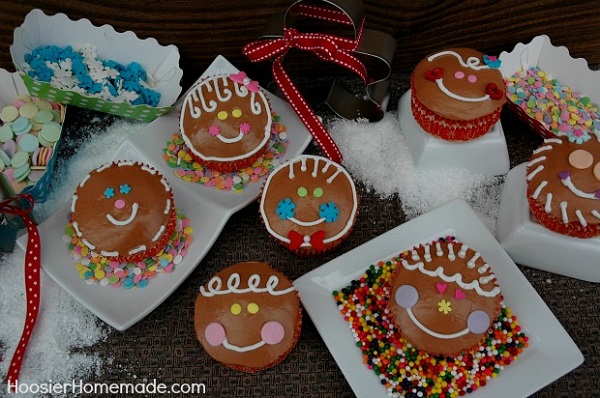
[(188, 230)]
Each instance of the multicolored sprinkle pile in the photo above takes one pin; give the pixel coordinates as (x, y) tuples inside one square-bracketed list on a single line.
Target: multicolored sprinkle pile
[(82, 71), (561, 110), (177, 156), (406, 371), (94, 268)]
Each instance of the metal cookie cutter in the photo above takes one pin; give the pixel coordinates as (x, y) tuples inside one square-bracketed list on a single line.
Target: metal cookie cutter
[(375, 47)]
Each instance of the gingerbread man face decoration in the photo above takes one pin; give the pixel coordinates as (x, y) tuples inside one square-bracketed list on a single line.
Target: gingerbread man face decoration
[(460, 84), (563, 185), (122, 209), (309, 204), (444, 298), (226, 118), (248, 316)]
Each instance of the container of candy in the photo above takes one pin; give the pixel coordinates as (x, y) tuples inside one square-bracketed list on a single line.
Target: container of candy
[(554, 93), (96, 67), (30, 135)]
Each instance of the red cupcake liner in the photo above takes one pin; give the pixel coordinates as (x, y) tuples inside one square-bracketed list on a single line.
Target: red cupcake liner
[(230, 166), (449, 129), (573, 228)]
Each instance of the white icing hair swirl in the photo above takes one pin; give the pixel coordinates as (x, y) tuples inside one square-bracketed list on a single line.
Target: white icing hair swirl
[(215, 285)]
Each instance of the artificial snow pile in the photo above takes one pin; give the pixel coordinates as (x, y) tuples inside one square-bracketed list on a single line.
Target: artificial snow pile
[(377, 155), (56, 351)]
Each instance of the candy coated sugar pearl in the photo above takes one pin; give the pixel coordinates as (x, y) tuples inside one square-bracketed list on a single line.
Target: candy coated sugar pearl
[(177, 156), (97, 269), (561, 110), (405, 371)]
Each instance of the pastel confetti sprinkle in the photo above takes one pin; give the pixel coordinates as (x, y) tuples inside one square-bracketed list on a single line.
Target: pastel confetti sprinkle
[(406, 371), (560, 109), (177, 156), (97, 269)]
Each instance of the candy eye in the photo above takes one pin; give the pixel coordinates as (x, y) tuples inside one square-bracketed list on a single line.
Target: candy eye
[(302, 192), (125, 188), (581, 159), (318, 192), (222, 115), (252, 308), (109, 192), (236, 309), (236, 113)]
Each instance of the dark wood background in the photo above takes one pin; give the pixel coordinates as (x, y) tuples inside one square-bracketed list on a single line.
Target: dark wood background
[(202, 29)]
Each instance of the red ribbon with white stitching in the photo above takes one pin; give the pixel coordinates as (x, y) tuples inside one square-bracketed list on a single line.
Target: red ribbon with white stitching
[(328, 47), (32, 280)]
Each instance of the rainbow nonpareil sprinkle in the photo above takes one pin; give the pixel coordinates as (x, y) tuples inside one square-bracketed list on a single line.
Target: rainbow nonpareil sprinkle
[(97, 269), (406, 371), (177, 156)]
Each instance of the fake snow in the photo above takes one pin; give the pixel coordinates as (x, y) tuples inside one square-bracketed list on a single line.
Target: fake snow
[(378, 156), (57, 350)]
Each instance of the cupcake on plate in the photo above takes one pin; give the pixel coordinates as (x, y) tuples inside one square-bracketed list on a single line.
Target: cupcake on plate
[(563, 185), (226, 122), (309, 204), (457, 94), (444, 298), (248, 316)]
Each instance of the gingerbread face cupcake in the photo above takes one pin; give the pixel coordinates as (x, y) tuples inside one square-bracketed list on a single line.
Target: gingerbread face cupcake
[(248, 316), (309, 204), (563, 185), (124, 211), (457, 94), (226, 122), (444, 298)]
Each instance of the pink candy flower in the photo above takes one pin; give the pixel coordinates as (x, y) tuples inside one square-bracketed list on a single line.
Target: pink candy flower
[(245, 128), (214, 130)]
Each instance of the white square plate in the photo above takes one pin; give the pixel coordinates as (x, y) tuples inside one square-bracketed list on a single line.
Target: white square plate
[(207, 209), (551, 353)]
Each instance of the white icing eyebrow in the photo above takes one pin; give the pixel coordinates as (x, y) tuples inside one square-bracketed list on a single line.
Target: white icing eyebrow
[(538, 190), (149, 170), (167, 207), (553, 140), (333, 176), (534, 172), (463, 251), (291, 172), (471, 263), (303, 164), (233, 283), (427, 253), (315, 167), (138, 249), (596, 213), (125, 163), (82, 183), (73, 203), (88, 244), (102, 168), (167, 187), (414, 255), (542, 149), (326, 167), (159, 233), (472, 62), (451, 255), (438, 249)]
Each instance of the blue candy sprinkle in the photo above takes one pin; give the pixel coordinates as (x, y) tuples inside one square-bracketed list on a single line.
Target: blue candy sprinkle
[(329, 212), (285, 209)]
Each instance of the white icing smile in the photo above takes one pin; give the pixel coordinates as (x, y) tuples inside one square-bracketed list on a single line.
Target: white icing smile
[(306, 223), (129, 220), (578, 192), (444, 89), (247, 348), (433, 333), (233, 140)]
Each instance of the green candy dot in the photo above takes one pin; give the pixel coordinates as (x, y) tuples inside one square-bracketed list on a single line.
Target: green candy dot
[(318, 192), (302, 192)]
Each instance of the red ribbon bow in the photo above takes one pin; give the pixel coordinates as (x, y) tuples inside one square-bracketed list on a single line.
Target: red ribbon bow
[(32, 280), (316, 240), (331, 48)]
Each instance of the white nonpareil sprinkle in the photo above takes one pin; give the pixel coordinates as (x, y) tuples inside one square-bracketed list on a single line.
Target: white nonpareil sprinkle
[(64, 327), (377, 155)]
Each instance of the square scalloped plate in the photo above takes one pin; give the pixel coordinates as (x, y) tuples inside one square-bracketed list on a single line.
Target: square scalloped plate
[(207, 209), (551, 353)]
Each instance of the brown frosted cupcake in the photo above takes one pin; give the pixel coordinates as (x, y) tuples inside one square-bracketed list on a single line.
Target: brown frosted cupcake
[(226, 122), (248, 316), (124, 211), (563, 185), (457, 94), (444, 298), (309, 204)]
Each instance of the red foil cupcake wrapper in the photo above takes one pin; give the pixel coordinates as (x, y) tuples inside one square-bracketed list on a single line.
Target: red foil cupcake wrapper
[(573, 228)]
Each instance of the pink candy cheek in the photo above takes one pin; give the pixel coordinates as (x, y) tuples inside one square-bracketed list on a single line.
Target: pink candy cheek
[(272, 332), (459, 75), (215, 334), (472, 78), (119, 203)]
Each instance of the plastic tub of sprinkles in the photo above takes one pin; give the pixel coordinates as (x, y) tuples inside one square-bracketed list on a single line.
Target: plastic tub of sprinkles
[(554, 93), (96, 67), (30, 135)]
